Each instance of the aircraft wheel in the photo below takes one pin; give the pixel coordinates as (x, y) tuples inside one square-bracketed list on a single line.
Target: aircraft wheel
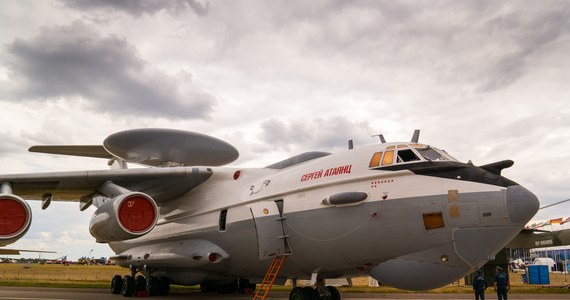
[(116, 284), (128, 288), (335, 294), (207, 288), (313, 294), (152, 286), (299, 293), (163, 286), (245, 286), (140, 283)]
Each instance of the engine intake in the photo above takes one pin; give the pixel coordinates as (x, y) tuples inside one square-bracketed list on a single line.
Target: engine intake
[(15, 218), (124, 217)]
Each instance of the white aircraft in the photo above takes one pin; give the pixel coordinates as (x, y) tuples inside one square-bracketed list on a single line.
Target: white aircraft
[(407, 214)]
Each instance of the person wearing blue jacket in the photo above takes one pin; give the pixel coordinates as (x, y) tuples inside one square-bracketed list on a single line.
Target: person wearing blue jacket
[(502, 284), (479, 285)]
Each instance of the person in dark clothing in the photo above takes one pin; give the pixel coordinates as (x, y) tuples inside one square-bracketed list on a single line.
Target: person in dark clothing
[(479, 285), (502, 284)]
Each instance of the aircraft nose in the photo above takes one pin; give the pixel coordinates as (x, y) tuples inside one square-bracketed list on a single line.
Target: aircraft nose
[(522, 205)]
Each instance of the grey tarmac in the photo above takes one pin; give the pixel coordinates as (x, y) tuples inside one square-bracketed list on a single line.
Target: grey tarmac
[(30, 293)]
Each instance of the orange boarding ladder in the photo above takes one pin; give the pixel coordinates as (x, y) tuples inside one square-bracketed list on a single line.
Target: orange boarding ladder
[(269, 278)]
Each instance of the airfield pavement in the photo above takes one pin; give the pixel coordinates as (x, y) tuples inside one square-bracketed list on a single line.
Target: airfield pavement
[(29, 293)]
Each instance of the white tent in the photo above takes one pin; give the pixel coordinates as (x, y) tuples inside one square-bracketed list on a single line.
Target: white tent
[(518, 264), (544, 261)]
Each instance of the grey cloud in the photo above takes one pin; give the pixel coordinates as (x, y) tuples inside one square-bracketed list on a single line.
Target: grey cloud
[(279, 134), (137, 8), (76, 62), (536, 131), (12, 143), (317, 134), (483, 44), (525, 39)]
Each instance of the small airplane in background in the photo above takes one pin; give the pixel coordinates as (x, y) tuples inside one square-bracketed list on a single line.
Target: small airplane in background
[(405, 213)]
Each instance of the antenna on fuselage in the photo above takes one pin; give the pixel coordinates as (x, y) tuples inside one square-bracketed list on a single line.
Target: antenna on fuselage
[(416, 136), (382, 140), (553, 204), (350, 145)]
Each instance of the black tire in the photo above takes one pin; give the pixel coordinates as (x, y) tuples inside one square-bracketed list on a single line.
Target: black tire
[(140, 283), (335, 294), (230, 288), (152, 286), (116, 284), (313, 294), (128, 288), (163, 286), (243, 286), (299, 293), (208, 288)]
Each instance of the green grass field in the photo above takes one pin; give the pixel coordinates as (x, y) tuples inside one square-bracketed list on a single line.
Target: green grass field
[(76, 276)]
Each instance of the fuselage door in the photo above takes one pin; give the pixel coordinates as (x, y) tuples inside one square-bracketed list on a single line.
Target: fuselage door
[(271, 238)]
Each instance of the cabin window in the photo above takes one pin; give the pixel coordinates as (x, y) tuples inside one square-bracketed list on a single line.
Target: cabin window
[(388, 158), (222, 223), (375, 161), (433, 220), (407, 155)]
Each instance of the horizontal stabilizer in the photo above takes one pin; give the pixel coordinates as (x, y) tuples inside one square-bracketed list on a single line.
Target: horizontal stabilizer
[(74, 150)]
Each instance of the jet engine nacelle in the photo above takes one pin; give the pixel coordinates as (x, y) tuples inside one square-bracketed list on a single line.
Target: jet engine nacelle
[(125, 217), (15, 218)]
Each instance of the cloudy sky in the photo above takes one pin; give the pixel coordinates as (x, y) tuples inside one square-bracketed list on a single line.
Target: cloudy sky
[(485, 80)]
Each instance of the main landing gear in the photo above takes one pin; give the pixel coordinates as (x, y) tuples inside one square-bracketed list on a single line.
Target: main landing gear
[(321, 292), (131, 285)]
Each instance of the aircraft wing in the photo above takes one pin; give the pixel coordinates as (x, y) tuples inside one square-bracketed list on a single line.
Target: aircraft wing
[(136, 194), (160, 183), (4, 251)]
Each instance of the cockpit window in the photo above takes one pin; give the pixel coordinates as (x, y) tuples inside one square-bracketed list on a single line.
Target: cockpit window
[(447, 155), (430, 154), (406, 156), (388, 158), (402, 154), (375, 161)]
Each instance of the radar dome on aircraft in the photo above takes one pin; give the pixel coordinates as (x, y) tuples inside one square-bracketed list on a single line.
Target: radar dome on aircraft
[(169, 147)]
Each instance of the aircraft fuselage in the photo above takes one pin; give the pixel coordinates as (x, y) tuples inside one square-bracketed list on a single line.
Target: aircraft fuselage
[(410, 217)]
